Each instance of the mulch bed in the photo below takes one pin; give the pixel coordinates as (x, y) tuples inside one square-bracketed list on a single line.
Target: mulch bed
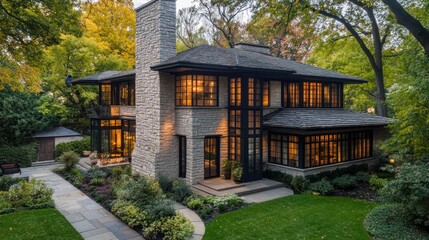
[(362, 191)]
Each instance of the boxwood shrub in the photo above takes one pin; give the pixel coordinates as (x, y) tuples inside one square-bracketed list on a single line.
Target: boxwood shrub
[(323, 187)]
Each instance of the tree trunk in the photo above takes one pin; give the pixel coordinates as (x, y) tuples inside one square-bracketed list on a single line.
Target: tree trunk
[(409, 22)]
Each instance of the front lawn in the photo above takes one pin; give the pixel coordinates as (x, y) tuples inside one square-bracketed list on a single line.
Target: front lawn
[(36, 224), (294, 217)]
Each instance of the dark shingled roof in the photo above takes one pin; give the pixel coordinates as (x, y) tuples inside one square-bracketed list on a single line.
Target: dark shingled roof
[(104, 76), (308, 119), (206, 56), (57, 132)]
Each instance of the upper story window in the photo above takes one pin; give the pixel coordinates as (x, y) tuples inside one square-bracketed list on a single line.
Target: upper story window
[(254, 92), (266, 94), (106, 94), (312, 95), (235, 92), (196, 90), (122, 93)]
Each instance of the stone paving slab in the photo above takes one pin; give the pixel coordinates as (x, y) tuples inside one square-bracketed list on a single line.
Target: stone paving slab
[(89, 218), (268, 195)]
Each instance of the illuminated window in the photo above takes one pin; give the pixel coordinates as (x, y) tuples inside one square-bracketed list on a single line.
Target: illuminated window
[(124, 94), (105, 94), (266, 94), (254, 92), (312, 95), (235, 92), (284, 150), (334, 148), (196, 90)]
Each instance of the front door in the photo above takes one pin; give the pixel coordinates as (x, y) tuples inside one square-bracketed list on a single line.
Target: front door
[(46, 149), (211, 157)]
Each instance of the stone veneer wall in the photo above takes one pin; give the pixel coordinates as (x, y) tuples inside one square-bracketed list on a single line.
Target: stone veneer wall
[(197, 122), (156, 149)]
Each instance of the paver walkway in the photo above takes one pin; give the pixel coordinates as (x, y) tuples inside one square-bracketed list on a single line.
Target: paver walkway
[(88, 217)]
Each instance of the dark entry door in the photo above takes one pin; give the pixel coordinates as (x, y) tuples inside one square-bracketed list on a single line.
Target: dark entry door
[(46, 149), (211, 157)]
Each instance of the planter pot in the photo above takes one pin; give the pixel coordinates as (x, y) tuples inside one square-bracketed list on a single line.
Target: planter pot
[(86, 153), (237, 181), (227, 175), (93, 161)]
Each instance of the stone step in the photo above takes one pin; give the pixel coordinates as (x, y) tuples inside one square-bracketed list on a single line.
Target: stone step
[(44, 163), (242, 189), (199, 192)]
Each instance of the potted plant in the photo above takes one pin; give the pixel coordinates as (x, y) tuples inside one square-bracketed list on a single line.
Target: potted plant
[(93, 158), (226, 168), (237, 173)]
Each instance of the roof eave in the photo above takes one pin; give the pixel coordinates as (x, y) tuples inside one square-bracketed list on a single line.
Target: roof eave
[(201, 66), (82, 81), (327, 127)]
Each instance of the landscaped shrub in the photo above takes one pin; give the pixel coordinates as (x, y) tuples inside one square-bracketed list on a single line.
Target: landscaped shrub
[(74, 176), (362, 177), (345, 182), (97, 181), (96, 172), (181, 190), (377, 183), (165, 183), (410, 188), (160, 208), (170, 228), (300, 184), (324, 187), (31, 195), (70, 159), (392, 222), (129, 213), (22, 154), (140, 191), (279, 177), (205, 206), (5, 205), (7, 181), (195, 202), (117, 172), (77, 146)]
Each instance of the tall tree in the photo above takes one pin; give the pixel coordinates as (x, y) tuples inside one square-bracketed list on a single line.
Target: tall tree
[(409, 22), (190, 31), (111, 23), (78, 57), (26, 27), (222, 15), (361, 20), (283, 27)]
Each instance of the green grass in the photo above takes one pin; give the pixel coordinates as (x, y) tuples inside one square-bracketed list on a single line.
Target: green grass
[(40, 224), (295, 217)]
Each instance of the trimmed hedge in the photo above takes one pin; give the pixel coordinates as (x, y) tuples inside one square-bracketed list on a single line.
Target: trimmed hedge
[(22, 154), (77, 146)]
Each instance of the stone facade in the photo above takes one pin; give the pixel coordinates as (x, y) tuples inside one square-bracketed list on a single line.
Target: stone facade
[(198, 122), (156, 149)]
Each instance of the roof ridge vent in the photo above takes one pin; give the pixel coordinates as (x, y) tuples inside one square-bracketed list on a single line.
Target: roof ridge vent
[(253, 47)]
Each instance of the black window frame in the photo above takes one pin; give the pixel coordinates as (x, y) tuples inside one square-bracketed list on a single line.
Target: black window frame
[(182, 91), (298, 97)]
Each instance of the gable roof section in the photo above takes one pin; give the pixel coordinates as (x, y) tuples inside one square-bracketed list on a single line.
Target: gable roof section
[(210, 57), (57, 132), (105, 76), (311, 119)]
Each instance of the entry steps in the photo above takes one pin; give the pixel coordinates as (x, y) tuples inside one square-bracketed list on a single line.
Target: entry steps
[(219, 187)]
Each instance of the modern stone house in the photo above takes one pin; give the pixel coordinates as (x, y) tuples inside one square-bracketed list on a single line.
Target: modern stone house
[(183, 115)]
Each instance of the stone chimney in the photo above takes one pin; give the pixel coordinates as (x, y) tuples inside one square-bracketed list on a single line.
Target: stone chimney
[(156, 145), (253, 48)]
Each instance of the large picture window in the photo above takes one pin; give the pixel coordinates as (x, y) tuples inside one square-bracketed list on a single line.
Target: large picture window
[(312, 95), (284, 149), (319, 150), (196, 90), (334, 148)]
